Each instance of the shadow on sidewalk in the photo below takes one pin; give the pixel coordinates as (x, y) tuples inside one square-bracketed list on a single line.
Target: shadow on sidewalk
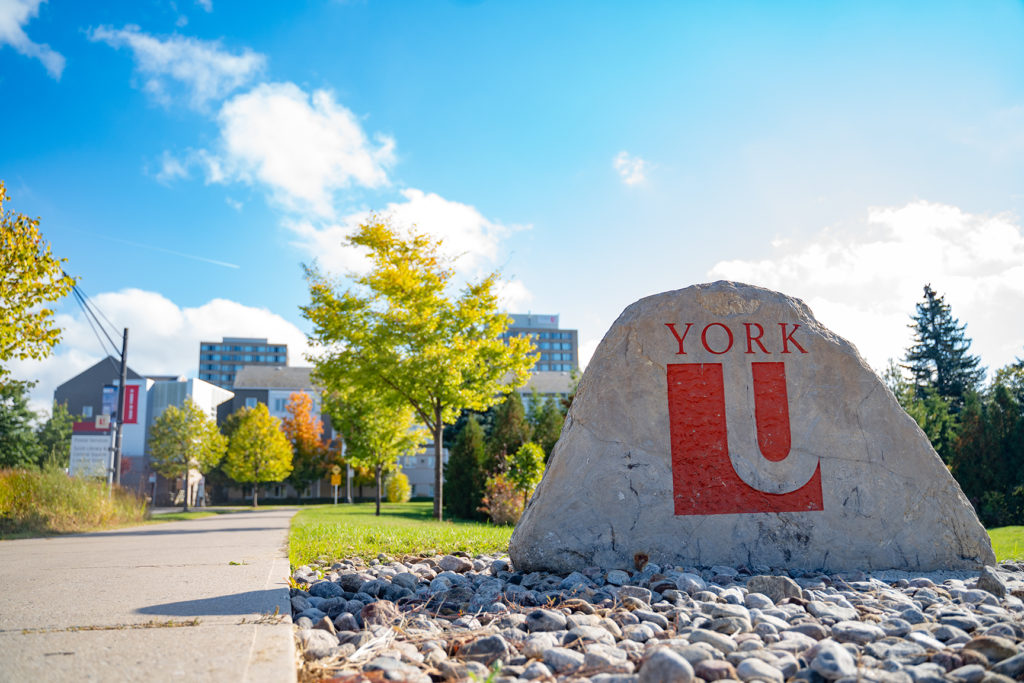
[(249, 602)]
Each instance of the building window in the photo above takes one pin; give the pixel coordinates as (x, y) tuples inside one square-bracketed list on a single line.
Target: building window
[(250, 402), (279, 404), (86, 411)]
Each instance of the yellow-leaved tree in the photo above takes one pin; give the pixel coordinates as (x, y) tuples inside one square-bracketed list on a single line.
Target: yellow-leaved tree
[(30, 276), (399, 330), (258, 451)]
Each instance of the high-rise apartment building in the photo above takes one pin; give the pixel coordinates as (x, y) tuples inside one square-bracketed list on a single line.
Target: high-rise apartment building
[(558, 348), (219, 362)]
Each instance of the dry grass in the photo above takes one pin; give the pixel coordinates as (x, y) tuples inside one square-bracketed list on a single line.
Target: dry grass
[(40, 503)]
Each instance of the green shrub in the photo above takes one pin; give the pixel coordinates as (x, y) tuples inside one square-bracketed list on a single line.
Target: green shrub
[(51, 502), (398, 488)]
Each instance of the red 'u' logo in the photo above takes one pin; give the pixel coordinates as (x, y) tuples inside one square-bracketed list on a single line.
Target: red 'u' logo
[(704, 481)]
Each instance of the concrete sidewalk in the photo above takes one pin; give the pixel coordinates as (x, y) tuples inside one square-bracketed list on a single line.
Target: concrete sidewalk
[(124, 604)]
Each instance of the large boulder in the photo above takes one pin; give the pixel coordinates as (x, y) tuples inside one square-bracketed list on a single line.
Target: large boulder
[(722, 424)]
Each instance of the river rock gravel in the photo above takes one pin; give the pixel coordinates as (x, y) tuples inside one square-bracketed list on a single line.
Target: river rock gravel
[(455, 617)]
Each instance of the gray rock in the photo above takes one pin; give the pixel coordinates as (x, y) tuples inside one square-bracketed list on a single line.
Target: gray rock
[(832, 661), (665, 666), (486, 650), (994, 648), (453, 563), (753, 669), (775, 587), (837, 487), (856, 632), (563, 660), (990, 580), (535, 670), (718, 641), (317, 643), (346, 622), (830, 610), (970, 673), (1012, 666), (617, 577), (545, 620)]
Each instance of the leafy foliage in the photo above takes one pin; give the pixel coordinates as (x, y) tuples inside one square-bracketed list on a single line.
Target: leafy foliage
[(464, 472), (502, 502), (938, 358), (258, 451), (549, 426), (30, 277), (305, 432), (511, 430), (398, 488), (184, 438), (526, 468), (397, 330), (377, 429), (54, 437), (19, 446)]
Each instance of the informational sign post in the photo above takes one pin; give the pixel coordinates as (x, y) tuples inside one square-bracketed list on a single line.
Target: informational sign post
[(90, 455), (335, 481)]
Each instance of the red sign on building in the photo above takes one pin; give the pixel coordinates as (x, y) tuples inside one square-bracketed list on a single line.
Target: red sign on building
[(131, 404)]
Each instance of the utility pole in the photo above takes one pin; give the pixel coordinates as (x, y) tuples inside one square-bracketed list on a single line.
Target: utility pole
[(120, 408)]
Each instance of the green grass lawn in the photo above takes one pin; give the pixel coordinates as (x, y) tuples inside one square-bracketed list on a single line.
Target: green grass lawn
[(331, 532), (1008, 542)]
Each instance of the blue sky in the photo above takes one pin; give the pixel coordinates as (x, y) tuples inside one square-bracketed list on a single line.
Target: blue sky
[(187, 157)]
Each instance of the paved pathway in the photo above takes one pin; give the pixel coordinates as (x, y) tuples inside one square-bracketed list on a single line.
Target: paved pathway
[(96, 606)]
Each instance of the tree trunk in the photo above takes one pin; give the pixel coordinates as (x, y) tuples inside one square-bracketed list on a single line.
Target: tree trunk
[(438, 463), (185, 509), (255, 489), (378, 489)]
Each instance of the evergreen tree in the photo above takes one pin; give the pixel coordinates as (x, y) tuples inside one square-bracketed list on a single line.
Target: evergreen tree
[(19, 446), (549, 428), (988, 457), (464, 474), (511, 430), (54, 438), (938, 358)]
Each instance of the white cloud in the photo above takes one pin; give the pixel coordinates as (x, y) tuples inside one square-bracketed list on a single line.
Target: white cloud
[(864, 281), (205, 4), (466, 234), (631, 169), (302, 148), (163, 338), (513, 295), (14, 15), (203, 69), (171, 168)]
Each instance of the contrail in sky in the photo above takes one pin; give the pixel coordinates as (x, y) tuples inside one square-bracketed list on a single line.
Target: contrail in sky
[(166, 251)]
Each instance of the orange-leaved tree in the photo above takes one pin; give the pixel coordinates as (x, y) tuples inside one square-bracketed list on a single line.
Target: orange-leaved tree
[(305, 431)]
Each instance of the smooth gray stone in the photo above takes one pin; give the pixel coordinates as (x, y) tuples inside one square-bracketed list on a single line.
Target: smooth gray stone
[(563, 660), (317, 643), (545, 620), (755, 669), (665, 666), (486, 650), (990, 580), (833, 661), (775, 587)]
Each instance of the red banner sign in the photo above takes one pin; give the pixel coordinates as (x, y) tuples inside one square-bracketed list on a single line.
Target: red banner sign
[(131, 404)]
